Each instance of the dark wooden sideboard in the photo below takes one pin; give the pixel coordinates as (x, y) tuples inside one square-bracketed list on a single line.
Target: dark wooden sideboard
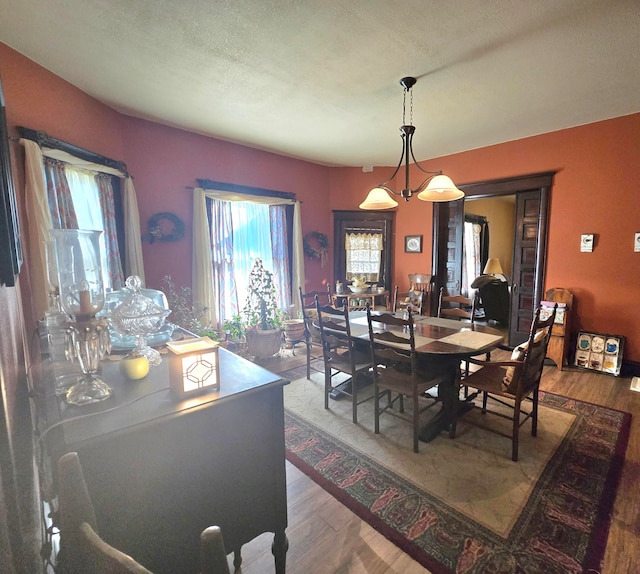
[(160, 470)]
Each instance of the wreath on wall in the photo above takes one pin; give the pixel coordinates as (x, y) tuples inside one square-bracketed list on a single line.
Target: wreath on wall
[(158, 228), (316, 246)]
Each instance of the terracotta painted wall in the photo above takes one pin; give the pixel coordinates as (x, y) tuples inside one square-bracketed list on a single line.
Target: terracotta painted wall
[(595, 190)]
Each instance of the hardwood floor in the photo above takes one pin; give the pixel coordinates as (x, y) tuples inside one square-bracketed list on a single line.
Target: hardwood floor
[(326, 538)]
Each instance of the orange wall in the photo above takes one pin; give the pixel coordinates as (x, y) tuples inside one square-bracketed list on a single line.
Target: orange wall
[(595, 190)]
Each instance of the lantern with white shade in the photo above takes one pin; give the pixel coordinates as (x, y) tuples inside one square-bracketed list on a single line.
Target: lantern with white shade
[(194, 366)]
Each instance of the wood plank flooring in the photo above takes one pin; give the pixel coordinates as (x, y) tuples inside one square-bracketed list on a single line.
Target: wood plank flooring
[(326, 538)]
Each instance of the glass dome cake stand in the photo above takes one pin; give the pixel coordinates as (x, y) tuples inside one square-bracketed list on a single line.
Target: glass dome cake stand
[(140, 317)]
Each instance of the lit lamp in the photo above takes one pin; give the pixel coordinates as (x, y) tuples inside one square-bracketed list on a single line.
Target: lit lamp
[(436, 187), (194, 366), (493, 267)]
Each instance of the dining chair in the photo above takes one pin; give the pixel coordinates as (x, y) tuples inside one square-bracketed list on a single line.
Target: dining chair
[(509, 383), (82, 549), (311, 334), (461, 308), (397, 371), (401, 301), (422, 282), (456, 306), (341, 355)]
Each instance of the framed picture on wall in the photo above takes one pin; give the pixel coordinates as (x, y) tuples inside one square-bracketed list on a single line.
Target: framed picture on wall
[(413, 243)]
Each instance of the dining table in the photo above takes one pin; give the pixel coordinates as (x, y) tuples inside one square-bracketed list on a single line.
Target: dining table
[(441, 345)]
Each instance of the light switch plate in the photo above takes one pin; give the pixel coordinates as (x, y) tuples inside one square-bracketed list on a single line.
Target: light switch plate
[(586, 242)]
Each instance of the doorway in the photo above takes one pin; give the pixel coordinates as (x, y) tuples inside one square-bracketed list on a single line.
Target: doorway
[(528, 255)]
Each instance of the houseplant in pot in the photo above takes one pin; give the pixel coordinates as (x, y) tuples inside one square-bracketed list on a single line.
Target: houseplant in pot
[(262, 317)]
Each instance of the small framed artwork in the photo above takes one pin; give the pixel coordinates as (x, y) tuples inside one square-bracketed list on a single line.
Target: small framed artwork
[(413, 243)]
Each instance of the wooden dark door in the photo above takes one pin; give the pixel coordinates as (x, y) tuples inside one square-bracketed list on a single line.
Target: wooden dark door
[(532, 200), (449, 264), (363, 222)]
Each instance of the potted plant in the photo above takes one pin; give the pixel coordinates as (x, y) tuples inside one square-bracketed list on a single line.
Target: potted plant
[(261, 315)]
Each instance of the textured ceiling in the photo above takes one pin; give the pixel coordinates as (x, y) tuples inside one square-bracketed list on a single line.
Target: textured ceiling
[(318, 80)]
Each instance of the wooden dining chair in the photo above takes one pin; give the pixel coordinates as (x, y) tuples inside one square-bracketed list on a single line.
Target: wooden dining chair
[(341, 355), (311, 334), (456, 306), (461, 308), (422, 282), (397, 371), (414, 299), (82, 549), (509, 383)]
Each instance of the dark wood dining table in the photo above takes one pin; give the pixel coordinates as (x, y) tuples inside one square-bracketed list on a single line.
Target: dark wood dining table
[(441, 345)]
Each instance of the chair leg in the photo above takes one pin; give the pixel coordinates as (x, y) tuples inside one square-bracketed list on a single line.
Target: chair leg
[(534, 414), (515, 432), (484, 402), (308, 344), (327, 385), (354, 397), (376, 407), (416, 422)]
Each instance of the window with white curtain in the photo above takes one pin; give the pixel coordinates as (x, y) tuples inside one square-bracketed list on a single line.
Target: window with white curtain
[(86, 202), (364, 256), (243, 231), (83, 199)]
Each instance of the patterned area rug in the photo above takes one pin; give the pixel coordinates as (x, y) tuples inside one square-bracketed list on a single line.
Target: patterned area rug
[(561, 527)]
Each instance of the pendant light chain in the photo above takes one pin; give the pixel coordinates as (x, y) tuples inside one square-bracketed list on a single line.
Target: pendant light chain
[(410, 107), (404, 107)]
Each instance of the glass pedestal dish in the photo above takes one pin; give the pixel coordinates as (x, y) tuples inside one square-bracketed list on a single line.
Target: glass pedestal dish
[(140, 317)]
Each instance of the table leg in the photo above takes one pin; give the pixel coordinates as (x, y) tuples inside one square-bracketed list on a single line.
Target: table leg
[(279, 549), (446, 418)]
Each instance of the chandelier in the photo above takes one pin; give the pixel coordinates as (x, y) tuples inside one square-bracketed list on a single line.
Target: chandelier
[(436, 187)]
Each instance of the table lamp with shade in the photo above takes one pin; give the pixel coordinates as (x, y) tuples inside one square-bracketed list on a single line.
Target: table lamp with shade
[(493, 267)]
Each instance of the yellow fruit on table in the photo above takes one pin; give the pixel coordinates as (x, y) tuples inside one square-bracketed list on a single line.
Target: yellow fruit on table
[(134, 368)]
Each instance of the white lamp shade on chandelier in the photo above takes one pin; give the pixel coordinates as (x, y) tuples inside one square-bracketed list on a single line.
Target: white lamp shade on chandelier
[(436, 187)]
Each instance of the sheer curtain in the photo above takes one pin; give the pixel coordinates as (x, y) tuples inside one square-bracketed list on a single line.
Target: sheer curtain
[(471, 256), (364, 256), (224, 252)]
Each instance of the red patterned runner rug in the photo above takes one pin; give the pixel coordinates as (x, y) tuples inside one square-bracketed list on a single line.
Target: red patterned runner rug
[(562, 528)]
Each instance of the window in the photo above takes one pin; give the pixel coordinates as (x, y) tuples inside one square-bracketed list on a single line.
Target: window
[(80, 199), (364, 256), (243, 231), (223, 247)]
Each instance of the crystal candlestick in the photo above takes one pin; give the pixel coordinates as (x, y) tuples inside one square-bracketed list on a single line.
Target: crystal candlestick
[(79, 269)]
